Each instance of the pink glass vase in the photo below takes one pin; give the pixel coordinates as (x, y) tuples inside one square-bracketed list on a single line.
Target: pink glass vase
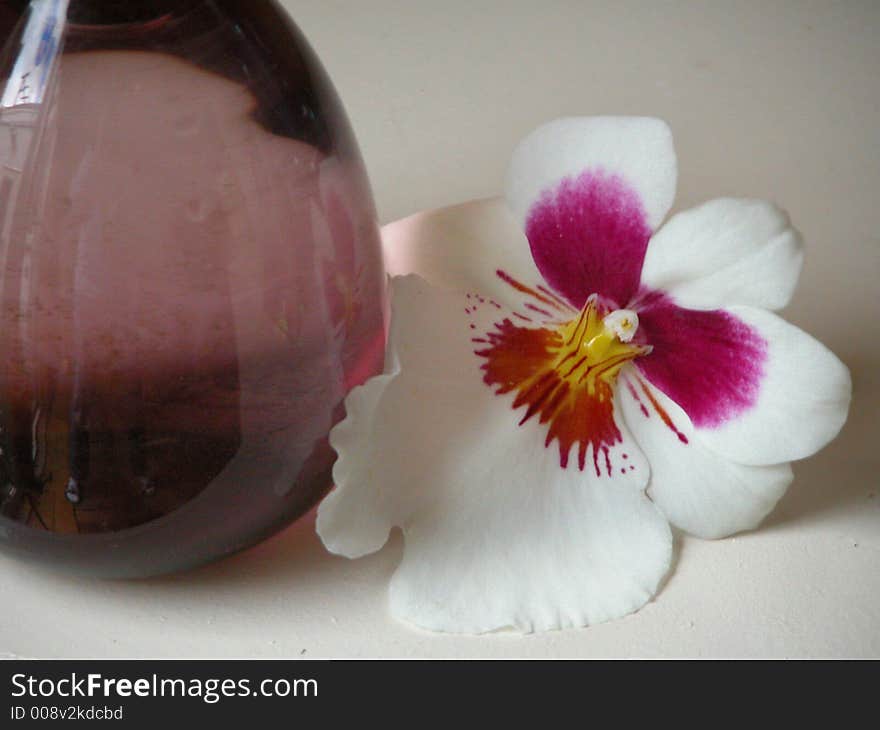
[(191, 280)]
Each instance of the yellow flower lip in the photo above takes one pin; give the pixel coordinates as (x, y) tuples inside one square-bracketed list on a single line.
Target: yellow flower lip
[(593, 346)]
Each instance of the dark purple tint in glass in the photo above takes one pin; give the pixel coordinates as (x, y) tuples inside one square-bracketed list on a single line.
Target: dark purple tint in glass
[(191, 280)]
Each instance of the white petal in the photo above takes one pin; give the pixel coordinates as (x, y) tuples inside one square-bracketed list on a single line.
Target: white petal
[(532, 554), (366, 529), (497, 533), (699, 490), (636, 149), (802, 402), (462, 248), (727, 251)]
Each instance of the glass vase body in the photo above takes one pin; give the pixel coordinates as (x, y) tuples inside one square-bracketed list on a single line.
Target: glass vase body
[(190, 280)]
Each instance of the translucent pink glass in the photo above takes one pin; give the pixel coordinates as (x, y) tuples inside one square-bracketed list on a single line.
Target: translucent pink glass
[(191, 280)]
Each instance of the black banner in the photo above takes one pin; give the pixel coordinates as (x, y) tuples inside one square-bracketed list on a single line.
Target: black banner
[(150, 691)]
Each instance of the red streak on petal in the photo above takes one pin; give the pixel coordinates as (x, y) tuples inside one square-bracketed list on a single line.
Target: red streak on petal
[(508, 279), (664, 416), (538, 390), (638, 400), (604, 367), (531, 306), (559, 301), (576, 366), (537, 403), (553, 406)]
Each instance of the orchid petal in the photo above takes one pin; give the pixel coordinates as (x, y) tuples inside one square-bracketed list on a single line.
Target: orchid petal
[(727, 251), (497, 533), (757, 389), (588, 192), (475, 247), (699, 490), (801, 404), (709, 362), (568, 554)]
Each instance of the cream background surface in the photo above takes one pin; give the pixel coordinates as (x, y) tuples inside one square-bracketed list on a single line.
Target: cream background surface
[(778, 100)]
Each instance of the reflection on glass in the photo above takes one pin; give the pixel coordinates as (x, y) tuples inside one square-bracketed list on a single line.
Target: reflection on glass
[(191, 280)]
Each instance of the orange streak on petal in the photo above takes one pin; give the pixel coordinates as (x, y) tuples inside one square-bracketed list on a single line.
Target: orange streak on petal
[(560, 302), (664, 416), (520, 287)]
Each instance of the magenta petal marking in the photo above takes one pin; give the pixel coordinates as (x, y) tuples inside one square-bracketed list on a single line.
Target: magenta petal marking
[(710, 363), (589, 235)]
